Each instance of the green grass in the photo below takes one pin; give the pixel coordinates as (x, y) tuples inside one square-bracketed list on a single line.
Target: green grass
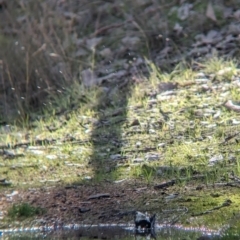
[(190, 133), (61, 132), (24, 210), (102, 141)]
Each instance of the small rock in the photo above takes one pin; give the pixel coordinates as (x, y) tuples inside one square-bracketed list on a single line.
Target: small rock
[(87, 178), (138, 144), (171, 196), (106, 53), (152, 156), (9, 153), (89, 78), (116, 157), (98, 196), (12, 194), (138, 160), (152, 131), (83, 210), (51, 157), (37, 152), (161, 145), (215, 159), (93, 42), (135, 122)]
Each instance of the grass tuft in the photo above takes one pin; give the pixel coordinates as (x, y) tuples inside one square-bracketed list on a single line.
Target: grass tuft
[(24, 210)]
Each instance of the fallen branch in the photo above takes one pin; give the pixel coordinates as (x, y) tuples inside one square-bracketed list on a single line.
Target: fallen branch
[(98, 196), (173, 181), (225, 204), (165, 184)]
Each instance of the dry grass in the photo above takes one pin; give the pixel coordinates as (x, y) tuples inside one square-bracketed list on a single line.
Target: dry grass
[(45, 45)]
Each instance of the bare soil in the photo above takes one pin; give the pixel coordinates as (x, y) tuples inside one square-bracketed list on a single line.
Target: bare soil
[(87, 204)]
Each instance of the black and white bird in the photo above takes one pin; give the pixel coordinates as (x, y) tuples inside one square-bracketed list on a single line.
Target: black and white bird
[(144, 222)]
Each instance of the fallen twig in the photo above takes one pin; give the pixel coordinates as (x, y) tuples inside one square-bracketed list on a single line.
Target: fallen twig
[(225, 204), (173, 181), (105, 28), (165, 184), (98, 196)]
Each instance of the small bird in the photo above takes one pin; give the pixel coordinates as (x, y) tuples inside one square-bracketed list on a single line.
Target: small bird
[(144, 222)]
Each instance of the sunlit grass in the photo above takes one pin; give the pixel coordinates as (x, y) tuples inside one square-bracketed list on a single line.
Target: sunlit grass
[(24, 210), (188, 117)]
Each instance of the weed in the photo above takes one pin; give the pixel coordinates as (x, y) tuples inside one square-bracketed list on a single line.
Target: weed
[(148, 173), (24, 210), (238, 167), (220, 68)]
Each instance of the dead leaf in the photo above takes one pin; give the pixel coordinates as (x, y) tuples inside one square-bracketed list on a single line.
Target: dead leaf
[(225, 43), (55, 55), (237, 15), (79, 41), (210, 37), (178, 28), (93, 42), (115, 75), (41, 49), (164, 53), (80, 52), (106, 53), (210, 12), (227, 12), (70, 15), (184, 10), (234, 28), (89, 78), (199, 51), (131, 42)]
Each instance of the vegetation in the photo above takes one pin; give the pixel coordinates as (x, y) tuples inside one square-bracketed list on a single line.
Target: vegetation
[(99, 92), (24, 210)]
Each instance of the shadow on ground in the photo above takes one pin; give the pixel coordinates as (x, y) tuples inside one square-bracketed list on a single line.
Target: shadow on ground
[(106, 138)]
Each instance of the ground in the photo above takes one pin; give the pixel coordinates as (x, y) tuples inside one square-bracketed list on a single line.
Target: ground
[(145, 114)]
